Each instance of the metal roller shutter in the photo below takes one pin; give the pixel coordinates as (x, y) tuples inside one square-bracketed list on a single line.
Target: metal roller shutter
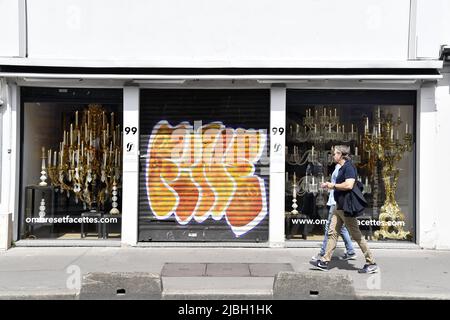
[(204, 167)]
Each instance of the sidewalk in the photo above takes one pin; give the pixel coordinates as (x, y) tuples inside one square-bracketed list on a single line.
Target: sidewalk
[(35, 273)]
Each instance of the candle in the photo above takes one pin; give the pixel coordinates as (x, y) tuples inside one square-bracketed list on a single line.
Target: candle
[(49, 157), (104, 160), (316, 114), (114, 138), (82, 149), (331, 114), (112, 120), (379, 128), (406, 130), (392, 134), (104, 138), (343, 130), (88, 158), (329, 128), (64, 138), (356, 151), (322, 180), (78, 138), (335, 112), (294, 178), (397, 133), (367, 123), (352, 127), (76, 119), (312, 151), (85, 133), (297, 128), (313, 180), (90, 138), (61, 160), (324, 112), (54, 158), (71, 134), (367, 182), (379, 113), (88, 119), (399, 112), (315, 128)]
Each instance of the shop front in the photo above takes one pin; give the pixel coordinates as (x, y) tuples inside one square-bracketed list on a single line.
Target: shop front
[(223, 162)]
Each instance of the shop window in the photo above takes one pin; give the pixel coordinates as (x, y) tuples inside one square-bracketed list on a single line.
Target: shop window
[(379, 128), (71, 171)]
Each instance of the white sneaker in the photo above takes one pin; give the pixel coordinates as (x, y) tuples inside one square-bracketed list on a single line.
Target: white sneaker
[(316, 257)]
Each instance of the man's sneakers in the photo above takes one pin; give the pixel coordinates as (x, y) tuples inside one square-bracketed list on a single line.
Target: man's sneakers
[(369, 268), (348, 256), (320, 265)]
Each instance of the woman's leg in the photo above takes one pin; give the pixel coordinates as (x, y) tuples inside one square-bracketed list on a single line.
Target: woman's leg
[(327, 225), (347, 240)]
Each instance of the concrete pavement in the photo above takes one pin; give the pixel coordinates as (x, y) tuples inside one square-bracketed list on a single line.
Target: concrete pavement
[(46, 273)]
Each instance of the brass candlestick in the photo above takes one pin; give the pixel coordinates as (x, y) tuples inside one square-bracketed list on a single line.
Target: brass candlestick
[(382, 144), (88, 162)]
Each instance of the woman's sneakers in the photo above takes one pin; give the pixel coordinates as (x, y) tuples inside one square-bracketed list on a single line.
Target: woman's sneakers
[(348, 256), (318, 257), (369, 268)]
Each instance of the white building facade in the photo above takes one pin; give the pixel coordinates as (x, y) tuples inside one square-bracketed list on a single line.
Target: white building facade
[(259, 68)]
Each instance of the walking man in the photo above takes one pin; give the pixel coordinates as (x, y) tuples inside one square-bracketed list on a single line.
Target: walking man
[(345, 181)]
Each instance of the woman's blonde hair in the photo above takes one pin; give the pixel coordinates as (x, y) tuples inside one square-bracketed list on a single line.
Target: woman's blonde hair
[(344, 150)]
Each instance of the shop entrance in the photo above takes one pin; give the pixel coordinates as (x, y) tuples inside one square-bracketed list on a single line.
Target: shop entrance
[(204, 167)]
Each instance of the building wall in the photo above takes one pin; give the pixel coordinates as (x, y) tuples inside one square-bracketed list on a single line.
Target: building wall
[(9, 28), (440, 183), (226, 33)]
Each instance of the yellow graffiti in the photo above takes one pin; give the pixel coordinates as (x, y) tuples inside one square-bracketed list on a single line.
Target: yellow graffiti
[(207, 172)]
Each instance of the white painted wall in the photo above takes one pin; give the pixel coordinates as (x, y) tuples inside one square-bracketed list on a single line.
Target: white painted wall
[(9, 28), (433, 27), (219, 33), (130, 177), (427, 167), (277, 167), (443, 156)]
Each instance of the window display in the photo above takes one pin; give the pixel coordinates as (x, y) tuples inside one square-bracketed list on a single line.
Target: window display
[(71, 163), (380, 133)]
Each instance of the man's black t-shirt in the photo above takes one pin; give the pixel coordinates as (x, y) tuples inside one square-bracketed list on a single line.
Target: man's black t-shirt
[(347, 171)]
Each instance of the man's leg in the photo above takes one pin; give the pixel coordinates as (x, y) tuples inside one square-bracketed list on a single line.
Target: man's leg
[(333, 234), (352, 225)]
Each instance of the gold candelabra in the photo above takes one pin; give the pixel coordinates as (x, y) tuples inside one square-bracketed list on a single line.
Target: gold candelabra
[(382, 144), (88, 163)]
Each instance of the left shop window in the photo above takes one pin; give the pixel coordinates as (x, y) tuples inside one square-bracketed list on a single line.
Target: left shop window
[(71, 167)]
